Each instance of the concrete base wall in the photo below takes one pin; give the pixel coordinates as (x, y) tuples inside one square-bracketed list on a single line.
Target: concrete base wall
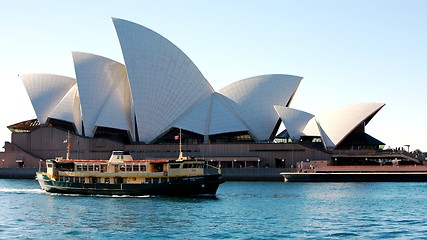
[(252, 174), (19, 173)]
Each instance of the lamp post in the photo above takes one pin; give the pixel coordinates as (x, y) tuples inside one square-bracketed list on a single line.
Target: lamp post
[(283, 163), (407, 146), (292, 156), (258, 162), (2, 163)]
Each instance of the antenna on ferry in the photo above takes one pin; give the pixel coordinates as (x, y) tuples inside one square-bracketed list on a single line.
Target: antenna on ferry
[(181, 157), (68, 145)]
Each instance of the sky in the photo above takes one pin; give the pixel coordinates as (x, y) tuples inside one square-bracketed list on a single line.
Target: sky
[(348, 52)]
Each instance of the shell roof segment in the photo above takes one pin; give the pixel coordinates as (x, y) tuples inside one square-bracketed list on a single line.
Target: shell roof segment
[(214, 115), (311, 128), (195, 118), (333, 126), (337, 123), (294, 120), (68, 109), (164, 81), (111, 106), (224, 117), (254, 99), (46, 91)]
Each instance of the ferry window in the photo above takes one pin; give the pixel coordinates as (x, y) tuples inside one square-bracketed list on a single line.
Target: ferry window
[(128, 168), (155, 180), (79, 167), (66, 179), (158, 168), (143, 168), (97, 168), (122, 167), (186, 165), (49, 165), (107, 180), (84, 167), (82, 180), (71, 179), (148, 180), (90, 167), (135, 168), (174, 165)]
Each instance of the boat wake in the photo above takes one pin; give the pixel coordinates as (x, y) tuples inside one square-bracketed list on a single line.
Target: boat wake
[(129, 196), (101, 196), (22, 191), (40, 191)]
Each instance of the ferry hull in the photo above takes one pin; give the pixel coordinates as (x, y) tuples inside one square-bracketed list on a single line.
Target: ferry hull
[(355, 177), (203, 186)]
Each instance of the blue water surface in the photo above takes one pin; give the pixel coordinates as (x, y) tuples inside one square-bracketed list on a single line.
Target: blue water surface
[(242, 210)]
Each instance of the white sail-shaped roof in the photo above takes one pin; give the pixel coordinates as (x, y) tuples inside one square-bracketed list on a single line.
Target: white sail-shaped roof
[(337, 123), (104, 93), (161, 88), (68, 109), (212, 116), (164, 81), (326, 139), (332, 126), (46, 91), (294, 120), (224, 118), (311, 128), (254, 99), (196, 118)]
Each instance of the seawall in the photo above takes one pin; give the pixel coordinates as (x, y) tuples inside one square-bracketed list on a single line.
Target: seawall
[(19, 173)]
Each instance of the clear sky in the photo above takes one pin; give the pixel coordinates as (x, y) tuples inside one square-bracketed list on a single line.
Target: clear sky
[(348, 52)]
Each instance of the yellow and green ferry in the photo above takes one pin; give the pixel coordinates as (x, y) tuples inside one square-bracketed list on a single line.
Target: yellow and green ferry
[(122, 175)]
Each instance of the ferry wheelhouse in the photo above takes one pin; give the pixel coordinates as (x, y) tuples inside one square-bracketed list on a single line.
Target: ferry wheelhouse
[(122, 175)]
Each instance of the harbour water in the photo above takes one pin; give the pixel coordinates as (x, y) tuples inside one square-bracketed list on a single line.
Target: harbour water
[(242, 210)]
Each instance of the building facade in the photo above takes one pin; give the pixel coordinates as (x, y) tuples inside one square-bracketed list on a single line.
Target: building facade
[(145, 103)]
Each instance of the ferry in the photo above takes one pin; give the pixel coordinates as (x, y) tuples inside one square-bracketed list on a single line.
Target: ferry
[(410, 173), (122, 175)]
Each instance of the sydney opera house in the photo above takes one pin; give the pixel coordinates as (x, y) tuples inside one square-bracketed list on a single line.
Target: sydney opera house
[(143, 104)]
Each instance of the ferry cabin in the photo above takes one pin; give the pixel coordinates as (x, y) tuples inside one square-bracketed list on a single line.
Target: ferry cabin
[(122, 169)]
